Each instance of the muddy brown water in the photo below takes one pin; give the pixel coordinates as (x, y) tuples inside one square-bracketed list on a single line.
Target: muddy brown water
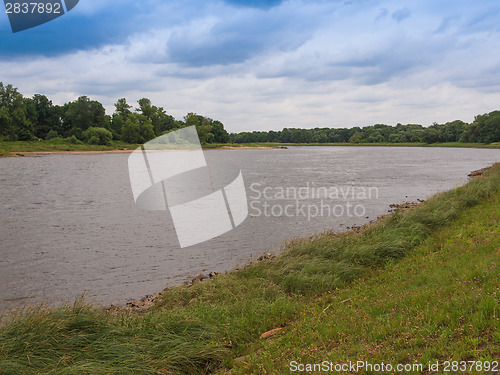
[(69, 225)]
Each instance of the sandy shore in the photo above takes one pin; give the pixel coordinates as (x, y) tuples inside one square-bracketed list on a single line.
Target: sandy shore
[(61, 152), (30, 153), (247, 148)]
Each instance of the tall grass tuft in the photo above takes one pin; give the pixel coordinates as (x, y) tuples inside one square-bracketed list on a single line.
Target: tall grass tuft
[(83, 340)]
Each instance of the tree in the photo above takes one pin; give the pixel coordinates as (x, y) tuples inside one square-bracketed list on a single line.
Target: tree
[(431, 135), (164, 122), (286, 136), (137, 129), (146, 108), (220, 134), (43, 115), (485, 128), (81, 114), (122, 111), (357, 137), (203, 126), (117, 122), (14, 124), (122, 108), (453, 131), (273, 136), (159, 118)]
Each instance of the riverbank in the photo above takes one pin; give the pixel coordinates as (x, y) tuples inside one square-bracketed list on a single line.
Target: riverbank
[(60, 146), (67, 148), (416, 286), (63, 147), (382, 144)]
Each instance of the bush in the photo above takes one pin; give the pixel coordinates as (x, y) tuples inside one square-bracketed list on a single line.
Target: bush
[(137, 129), (97, 136), (74, 140), (51, 135), (25, 135)]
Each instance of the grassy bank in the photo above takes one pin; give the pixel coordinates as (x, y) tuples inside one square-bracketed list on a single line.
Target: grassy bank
[(59, 145), (439, 304), (383, 144), (420, 285), (19, 148)]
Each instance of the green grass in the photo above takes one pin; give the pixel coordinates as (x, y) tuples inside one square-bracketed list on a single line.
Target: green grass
[(59, 145), (83, 340), (418, 285), (441, 303), (220, 145)]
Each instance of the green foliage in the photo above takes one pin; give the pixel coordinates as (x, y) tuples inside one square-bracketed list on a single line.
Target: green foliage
[(76, 141), (157, 115), (81, 114), (117, 122), (43, 116), (484, 129), (220, 134), (59, 144), (122, 108), (137, 129), (14, 124), (203, 126), (27, 119), (97, 136)]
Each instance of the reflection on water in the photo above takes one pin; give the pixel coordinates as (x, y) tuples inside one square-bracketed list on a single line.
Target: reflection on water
[(69, 224)]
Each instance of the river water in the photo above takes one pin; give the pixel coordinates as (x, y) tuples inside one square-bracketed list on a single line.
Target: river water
[(69, 224)]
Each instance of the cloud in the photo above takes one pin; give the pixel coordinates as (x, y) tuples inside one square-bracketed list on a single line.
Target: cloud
[(235, 39), (401, 14), (448, 22), (266, 65), (382, 14), (75, 31), (265, 4)]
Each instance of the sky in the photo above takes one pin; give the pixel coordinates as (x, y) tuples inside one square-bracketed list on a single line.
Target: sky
[(266, 65)]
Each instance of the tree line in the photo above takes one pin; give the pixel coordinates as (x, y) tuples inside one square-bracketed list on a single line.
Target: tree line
[(85, 120), (484, 129)]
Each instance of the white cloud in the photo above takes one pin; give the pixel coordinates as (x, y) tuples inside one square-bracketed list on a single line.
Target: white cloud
[(344, 65)]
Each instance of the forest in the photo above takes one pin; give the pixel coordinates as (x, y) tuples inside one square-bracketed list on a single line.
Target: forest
[(484, 129), (85, 121)]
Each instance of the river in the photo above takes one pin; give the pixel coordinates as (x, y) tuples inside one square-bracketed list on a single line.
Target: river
[(69, 224)]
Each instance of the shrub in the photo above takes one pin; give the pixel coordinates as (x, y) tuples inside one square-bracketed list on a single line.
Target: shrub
[(52, 134), (97, 136), (74, 140)]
